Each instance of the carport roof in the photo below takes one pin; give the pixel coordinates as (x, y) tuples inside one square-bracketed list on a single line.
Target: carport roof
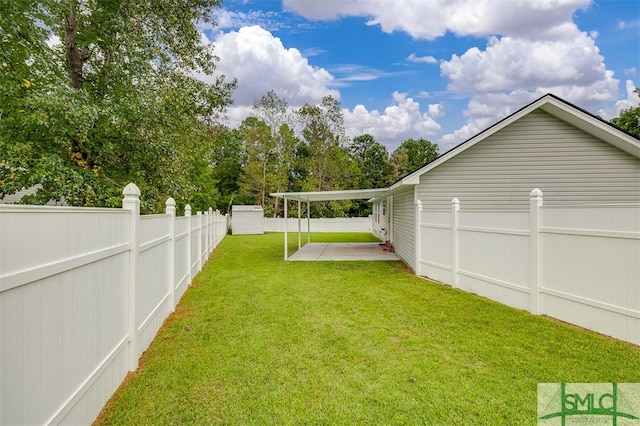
[(357, 194)]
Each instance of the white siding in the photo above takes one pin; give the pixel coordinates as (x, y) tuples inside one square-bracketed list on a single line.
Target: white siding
[(537, 151), (404, 226)]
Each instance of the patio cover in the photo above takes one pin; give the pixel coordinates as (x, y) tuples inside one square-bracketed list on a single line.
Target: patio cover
[(357, 194)]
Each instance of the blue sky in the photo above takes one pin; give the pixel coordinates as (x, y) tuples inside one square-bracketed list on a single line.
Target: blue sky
[(441, 70)]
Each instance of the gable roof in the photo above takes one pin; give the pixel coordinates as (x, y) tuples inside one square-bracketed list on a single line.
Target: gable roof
[(552, 105)]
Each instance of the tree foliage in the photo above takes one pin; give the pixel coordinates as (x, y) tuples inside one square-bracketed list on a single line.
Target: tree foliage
[(629, 119), (411, 155), (95, 94)]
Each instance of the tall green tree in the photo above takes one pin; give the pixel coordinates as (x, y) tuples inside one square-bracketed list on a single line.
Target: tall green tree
[(273, 110), (629, 119), (228, 157), (410, 156), (258, 173), (327, 161), (95, 94), (371, 161)]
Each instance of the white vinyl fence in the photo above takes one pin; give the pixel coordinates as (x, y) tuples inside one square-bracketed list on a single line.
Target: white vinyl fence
[(580, 264), (83, 292), (338, 224)]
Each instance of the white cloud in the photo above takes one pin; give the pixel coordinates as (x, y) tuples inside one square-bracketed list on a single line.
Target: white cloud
[(436, 110), (513, 71), (400, 121), (632, 100), (534, 48), (261, 63), (509, 63), (431, 19), (630, 71), (53, 41), (422, 59)]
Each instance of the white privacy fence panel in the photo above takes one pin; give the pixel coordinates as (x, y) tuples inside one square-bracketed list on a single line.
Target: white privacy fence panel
[(196, 244), (338, 224), (580, 264), (83, 291), (591, 273), (493, 256), (153, 299), (182, 255), (435, 245), (57, 327)]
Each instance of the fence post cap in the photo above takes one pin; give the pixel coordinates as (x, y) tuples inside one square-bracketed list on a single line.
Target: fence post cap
[(131, 190), (536, 193), (170, 202), (187, 210)]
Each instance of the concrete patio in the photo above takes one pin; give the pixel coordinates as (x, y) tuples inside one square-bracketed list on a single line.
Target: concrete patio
[(342, 251)]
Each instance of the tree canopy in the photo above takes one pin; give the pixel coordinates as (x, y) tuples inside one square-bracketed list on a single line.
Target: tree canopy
[(96, 94), (629, 119)]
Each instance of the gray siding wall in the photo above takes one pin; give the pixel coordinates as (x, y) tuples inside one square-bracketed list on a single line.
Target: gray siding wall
[(403, 226), (537, 151)]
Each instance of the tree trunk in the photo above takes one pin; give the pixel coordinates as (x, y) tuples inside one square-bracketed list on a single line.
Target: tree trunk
[(75, 59), (75, 56)]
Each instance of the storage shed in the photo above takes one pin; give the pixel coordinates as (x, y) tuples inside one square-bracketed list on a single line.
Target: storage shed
[(247, 220)]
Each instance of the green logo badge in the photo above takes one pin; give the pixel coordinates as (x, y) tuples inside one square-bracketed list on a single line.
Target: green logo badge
[(589, 403)]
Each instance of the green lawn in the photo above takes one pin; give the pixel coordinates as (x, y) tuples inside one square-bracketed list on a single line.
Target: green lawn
[(257, 340)]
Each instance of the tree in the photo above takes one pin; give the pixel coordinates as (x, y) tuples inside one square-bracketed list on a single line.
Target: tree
[(114, 100), (410, 156), (228, 158), (629, 119), (371, 161), (273, 111), (257, 174), (327, 161)]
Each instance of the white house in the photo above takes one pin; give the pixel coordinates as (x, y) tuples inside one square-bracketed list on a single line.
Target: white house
[(572, 156), (540, 212)]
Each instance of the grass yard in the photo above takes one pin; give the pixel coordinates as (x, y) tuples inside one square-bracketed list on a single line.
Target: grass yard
[(257, 340)]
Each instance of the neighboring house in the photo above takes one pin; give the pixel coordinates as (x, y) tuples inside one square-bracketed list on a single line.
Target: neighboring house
[(572, 156), (15, 198)]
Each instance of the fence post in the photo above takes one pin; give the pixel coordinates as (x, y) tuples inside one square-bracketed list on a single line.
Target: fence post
[(131, 202), (217, 230), (199, 219), (418, 235), (187, 213), (211, 233), (455, 208), (535, 202), (171, 211), (214, 242), (286, 237)]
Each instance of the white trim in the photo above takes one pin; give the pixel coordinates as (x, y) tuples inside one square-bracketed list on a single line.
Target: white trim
[(358, 194)]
